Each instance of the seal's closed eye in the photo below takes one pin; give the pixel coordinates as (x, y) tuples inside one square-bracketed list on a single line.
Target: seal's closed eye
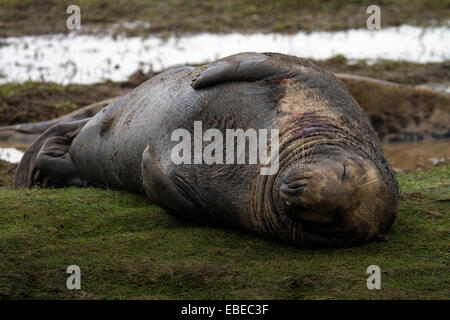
[(344, 172)]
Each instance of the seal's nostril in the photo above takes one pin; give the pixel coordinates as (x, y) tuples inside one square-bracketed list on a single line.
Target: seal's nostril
[(290, 197), (292, 189), (296, 185)]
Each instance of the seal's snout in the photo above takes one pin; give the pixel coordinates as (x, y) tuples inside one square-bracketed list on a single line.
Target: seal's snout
[(290, 192), (303, 192), (335, 197)]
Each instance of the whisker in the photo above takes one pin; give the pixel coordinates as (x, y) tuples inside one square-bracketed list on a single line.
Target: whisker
[(361, 178), (370, 182), (311, 153), (372, 225), (303, 151)]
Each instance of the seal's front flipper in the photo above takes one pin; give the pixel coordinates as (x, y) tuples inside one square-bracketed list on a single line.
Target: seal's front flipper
[(162, 191), (47, 161), (248, 66)]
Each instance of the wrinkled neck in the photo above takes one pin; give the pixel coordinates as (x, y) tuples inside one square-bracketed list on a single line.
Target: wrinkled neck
[(304, 139)]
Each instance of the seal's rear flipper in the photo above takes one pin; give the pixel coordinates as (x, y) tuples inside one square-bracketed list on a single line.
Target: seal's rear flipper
[(47, 161), (26, 133), (248, 66)]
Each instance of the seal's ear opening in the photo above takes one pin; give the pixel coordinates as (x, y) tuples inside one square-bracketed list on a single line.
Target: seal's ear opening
[(342, 200)]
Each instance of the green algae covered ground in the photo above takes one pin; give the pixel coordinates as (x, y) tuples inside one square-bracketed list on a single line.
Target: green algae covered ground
[(128, 248)]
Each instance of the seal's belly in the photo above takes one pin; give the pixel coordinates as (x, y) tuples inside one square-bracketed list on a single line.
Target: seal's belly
[(108, 150), (109, 157)]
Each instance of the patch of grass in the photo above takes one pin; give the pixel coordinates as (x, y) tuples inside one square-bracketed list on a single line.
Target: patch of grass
[(7, 171), (128, 248), (19, 17)]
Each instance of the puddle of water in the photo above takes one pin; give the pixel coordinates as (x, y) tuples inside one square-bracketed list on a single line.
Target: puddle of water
[(441, 87), (418, 154), (12, 155), (88, 58)]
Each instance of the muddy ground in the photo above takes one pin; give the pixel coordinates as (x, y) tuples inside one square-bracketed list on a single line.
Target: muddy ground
[(35, 101)]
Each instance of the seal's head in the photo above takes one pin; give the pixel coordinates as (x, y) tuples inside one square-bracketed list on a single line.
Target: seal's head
[(337, 197)]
